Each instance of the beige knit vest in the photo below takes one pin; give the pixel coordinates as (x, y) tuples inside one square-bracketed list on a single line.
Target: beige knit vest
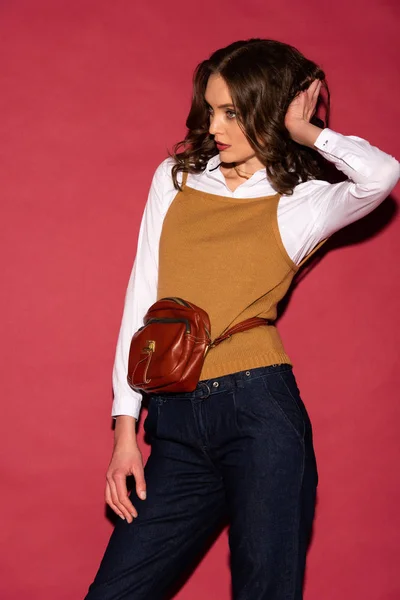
[(226, 255)]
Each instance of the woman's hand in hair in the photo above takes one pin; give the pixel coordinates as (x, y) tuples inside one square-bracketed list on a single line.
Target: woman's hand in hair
[(299, 113), (126, 460)]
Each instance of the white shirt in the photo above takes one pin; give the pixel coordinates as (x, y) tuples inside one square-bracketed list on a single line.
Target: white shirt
[(314, 212)]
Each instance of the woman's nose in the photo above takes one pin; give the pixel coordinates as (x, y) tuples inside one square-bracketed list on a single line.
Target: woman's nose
[(215, 126)]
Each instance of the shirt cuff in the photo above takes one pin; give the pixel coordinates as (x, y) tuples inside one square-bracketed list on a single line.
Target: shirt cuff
[(351, 155), (326, 140), (127, 405)]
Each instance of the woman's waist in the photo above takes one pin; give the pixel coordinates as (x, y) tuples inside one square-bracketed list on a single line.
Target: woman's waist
[(225, 383), (257, 347)]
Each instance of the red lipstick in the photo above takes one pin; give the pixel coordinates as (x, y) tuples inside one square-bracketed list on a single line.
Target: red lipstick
[(221, 146)]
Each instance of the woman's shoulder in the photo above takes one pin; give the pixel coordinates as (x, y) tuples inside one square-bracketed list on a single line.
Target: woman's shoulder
[(163, 172), (162, 189)]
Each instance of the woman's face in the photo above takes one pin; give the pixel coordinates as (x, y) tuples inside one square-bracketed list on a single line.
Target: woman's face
[(224, 125)]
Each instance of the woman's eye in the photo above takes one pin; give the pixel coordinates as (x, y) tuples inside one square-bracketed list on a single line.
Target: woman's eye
[(231, 114)]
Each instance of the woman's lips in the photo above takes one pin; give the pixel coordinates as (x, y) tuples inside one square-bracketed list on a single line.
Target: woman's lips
[(222, 146)]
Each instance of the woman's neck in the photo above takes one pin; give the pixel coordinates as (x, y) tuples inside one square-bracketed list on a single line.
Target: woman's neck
[(233, 177), (237, 173)]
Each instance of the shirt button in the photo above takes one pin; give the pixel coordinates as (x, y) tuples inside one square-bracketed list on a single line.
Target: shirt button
[(215, 384)]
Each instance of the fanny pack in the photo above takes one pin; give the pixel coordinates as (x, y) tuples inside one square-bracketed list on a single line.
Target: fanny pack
[(168, 352)]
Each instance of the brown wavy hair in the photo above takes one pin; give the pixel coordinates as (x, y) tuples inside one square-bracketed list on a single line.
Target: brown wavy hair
[(263, 77)]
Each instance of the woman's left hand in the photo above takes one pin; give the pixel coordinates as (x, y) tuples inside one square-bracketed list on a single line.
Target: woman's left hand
[(299, 113)]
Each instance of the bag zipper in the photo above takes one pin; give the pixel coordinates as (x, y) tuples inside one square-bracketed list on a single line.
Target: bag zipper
[(166, 320), (183, 303), (177, 300)]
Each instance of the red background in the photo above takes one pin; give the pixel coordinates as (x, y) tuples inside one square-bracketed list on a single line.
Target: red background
[(92, 94)]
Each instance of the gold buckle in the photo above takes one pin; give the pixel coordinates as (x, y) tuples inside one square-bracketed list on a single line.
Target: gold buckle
[(151, 346)]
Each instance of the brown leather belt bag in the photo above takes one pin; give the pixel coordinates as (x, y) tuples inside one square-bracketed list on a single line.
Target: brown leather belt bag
[(168, 352)]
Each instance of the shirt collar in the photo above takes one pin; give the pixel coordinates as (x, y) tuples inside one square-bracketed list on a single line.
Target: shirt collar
[(213, 163)]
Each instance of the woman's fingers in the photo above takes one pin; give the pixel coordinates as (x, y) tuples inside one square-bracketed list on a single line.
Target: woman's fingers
[(316, 91), (125, 461), (117, 497), (110, 503), (310, 98), (122, 492), (299, 113), (138, 473)]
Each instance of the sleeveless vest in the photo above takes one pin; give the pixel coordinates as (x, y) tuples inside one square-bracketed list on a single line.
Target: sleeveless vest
[(226, 255)]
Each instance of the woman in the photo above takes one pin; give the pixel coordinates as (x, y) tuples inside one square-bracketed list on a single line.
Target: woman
[(229, 219)]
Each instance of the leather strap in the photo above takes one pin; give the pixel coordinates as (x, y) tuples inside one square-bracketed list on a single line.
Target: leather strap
[(243, 326)]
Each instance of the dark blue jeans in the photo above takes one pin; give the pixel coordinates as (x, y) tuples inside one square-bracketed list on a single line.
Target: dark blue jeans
[(239, 448)]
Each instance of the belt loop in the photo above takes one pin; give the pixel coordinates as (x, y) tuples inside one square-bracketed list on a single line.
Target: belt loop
[(239, 379)]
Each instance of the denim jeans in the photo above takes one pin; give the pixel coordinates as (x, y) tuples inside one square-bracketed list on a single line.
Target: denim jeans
[(238, 448)]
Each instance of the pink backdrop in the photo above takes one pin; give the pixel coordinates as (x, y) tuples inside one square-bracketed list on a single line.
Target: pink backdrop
[(92, 94)]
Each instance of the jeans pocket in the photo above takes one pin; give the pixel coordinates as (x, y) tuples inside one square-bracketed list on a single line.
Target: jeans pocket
[(284, 395)]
